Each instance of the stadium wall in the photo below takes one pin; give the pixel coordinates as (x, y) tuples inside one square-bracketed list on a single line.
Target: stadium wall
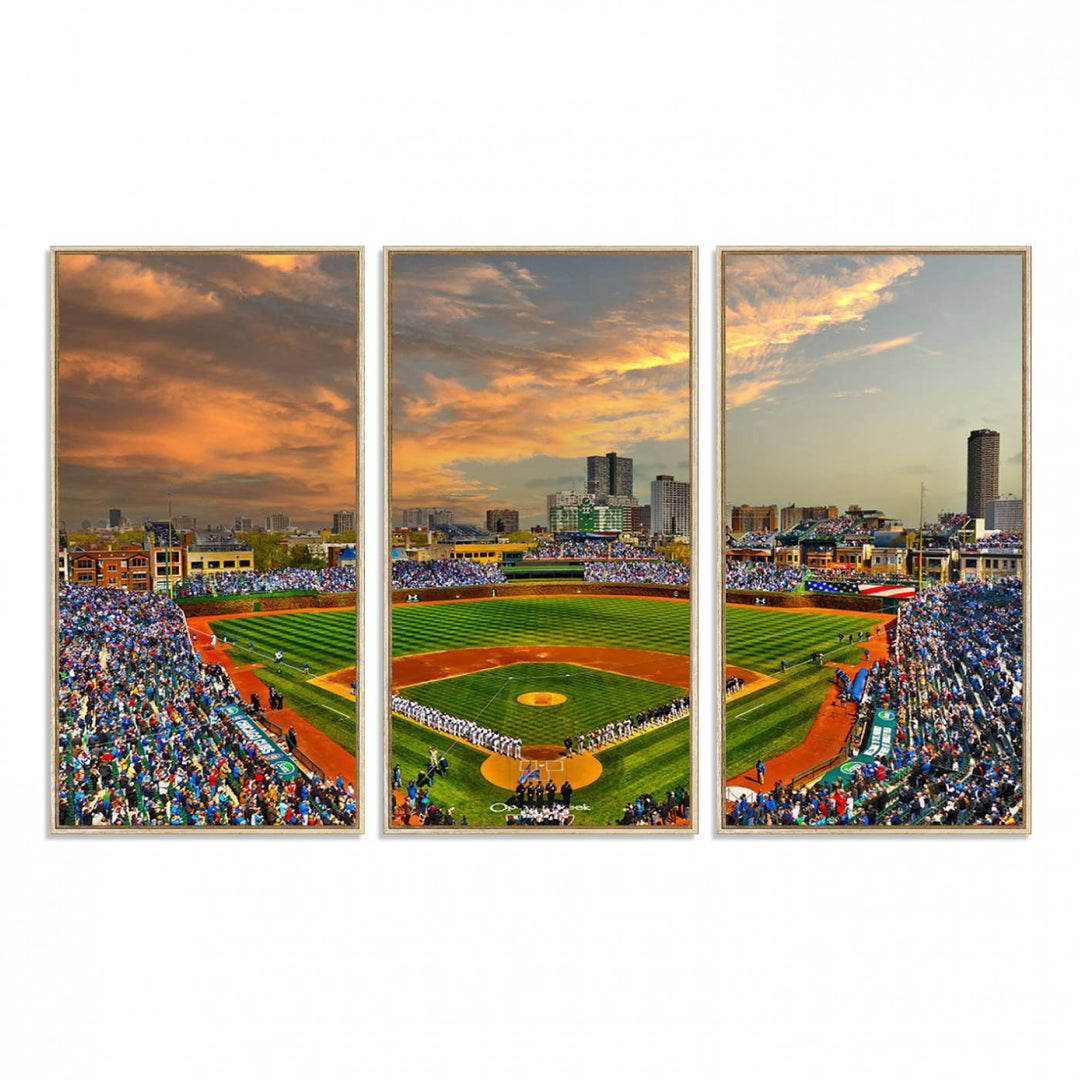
[(837, 601), (231, 605), (539, 588)]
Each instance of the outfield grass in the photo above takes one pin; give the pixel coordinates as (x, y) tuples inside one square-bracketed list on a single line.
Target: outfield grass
[(654, 763), (326, 640), (777, 717), (760, 639), (616, 621), (593, 698)]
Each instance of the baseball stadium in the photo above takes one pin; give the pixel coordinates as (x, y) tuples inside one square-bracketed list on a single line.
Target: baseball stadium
[(231, 703), (548, 688), (873, 679)]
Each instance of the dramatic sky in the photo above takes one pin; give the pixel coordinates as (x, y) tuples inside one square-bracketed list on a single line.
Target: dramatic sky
[(227, 381), (851, 379), (508, 371)]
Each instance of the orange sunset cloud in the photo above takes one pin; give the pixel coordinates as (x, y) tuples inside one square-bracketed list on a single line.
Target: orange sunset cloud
[(510, 365), (186, 374)]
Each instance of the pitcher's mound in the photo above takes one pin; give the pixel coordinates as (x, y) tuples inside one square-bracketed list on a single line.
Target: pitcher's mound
[(552, 763), (541, 698)]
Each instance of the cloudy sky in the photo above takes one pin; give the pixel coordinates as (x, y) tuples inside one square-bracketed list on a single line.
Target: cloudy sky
[(225, 380), (851, 379), (508, 371)]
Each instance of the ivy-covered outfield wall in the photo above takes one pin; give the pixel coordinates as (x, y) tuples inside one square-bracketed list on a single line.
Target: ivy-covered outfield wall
[(539, 588), (229, 605), (837, 601)]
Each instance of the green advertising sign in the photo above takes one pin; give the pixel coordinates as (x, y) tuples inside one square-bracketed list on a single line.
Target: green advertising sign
[(279, 761)]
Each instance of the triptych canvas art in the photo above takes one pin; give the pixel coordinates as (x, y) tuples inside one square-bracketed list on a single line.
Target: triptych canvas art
[(541, 541)]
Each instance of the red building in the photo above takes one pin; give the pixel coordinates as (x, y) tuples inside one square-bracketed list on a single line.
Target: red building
[(124, 567)]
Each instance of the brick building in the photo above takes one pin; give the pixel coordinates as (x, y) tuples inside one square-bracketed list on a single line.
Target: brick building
[(126, 566)]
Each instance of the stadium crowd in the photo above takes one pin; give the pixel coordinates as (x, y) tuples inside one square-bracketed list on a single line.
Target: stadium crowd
[(335, 579), (951, 523), (443, 573), (645, 810), (836, 528), (762, 577), (955, 680), (591, 549), (1000, 541), (145, 735), (639, 572), (753, 539)]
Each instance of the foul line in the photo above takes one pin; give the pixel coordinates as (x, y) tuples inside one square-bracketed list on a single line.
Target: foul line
[(234, 644), (792, 667)]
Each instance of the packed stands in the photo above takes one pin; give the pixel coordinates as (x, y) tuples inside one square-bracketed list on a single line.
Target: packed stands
[(1000, 541), (148, 735), (638, 572), (336, 579), (955, 685), (838, 528), (762, 577), (761, 540), (590, 549), (443, 573)]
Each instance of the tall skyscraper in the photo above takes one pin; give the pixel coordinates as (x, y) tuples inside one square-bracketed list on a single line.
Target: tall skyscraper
[(344, 521), (277, 522), (609, 474), (114, 519), (983, 454), (670, 506), (243, 524), (502, 521)]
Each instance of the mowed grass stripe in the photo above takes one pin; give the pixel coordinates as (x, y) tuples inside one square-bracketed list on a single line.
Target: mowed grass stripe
[(325, 640), (759, 640), (610, 621), (655, 763), (772, 720), (326, 644), (593, 698)]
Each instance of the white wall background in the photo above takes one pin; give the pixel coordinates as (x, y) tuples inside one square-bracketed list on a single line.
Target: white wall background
[(537, 123)]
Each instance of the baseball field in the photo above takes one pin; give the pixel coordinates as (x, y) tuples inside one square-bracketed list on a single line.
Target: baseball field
[(541, 669), (324, 640), (775, 711)]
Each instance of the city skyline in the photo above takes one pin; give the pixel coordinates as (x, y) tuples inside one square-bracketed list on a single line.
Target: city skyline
[(854, 378), (509, 371), (226, 381)]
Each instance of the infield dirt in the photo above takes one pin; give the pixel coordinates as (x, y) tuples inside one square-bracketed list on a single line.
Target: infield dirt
[(427, 667)]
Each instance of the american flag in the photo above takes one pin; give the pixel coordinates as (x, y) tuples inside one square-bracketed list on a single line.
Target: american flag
[(887, 590), (822, 586)]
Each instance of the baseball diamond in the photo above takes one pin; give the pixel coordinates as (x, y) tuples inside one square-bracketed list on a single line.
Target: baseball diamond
[(526, 676)]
